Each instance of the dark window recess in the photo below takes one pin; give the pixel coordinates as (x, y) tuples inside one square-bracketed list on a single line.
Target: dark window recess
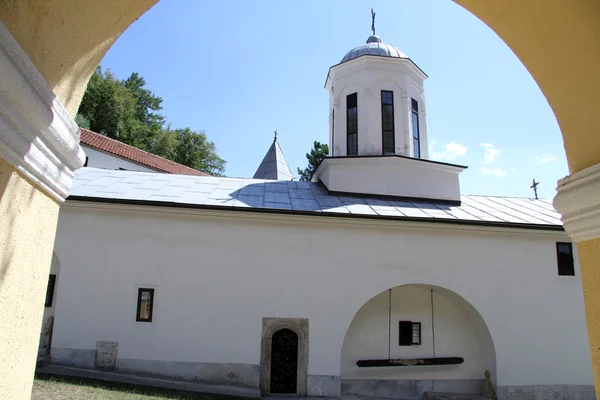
[(86, 161), (387, 122), (332, 131), (351, 125), (410, 333), (415, 126), (145, 305), (50, 290), (564, 255)]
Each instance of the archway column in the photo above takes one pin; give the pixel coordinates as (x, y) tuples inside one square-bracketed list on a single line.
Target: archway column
[(39, 152), (578, 201)]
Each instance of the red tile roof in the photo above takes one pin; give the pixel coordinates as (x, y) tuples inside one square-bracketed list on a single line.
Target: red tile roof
[(112, 146)]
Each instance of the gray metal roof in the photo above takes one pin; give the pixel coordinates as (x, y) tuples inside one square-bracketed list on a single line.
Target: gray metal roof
[(274, 166), (285, 196), (374, 47)]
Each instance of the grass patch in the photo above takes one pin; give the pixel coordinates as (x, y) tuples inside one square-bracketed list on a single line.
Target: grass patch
[(49, 387)]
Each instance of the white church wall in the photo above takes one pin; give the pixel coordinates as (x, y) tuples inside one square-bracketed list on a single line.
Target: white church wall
[(100, 159), (217, 274)]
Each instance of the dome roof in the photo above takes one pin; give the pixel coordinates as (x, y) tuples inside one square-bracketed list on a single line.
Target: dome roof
[(374, 47)]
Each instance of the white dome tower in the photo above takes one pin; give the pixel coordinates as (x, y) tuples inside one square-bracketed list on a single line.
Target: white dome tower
[(378, 128), (377, 104)]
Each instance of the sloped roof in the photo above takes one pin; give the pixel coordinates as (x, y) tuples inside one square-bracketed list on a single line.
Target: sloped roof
[(112, 146), (94, 184), (274, 166)]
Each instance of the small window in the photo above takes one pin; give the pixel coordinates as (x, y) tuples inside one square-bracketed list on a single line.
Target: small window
[(564, 255), (351, 125), (415, 128), (145, 304), (86, 161), (50, 290), (410, 333), (387, 122)]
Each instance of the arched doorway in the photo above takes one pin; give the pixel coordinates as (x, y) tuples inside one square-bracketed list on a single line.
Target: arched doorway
[(284, 356), (284, 362), (422, 338)]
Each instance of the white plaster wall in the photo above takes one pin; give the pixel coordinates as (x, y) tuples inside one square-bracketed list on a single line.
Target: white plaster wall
[(368, 76), (99, 159), (367, 337), (390, 176), (217, 274)]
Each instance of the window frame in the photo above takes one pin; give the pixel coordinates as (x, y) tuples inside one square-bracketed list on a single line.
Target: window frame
[(50, 289), (139, 304), (411, 342), (416, 128), (569, 268), (348, 133), (383, 130)]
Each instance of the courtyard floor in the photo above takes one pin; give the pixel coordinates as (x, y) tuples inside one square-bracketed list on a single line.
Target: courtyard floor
[(60, 388)]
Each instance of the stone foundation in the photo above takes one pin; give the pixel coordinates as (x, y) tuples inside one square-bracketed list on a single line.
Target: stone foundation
[(408, 389), (546, 392)]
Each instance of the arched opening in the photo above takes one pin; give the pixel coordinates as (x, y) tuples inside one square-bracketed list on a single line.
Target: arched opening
[(413, 339), (284, 362)]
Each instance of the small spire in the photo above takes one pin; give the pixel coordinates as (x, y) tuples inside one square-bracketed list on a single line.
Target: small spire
[(275, 137), (373, 21)]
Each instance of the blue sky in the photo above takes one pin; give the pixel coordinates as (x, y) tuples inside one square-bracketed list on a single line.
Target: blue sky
[(241, 69)]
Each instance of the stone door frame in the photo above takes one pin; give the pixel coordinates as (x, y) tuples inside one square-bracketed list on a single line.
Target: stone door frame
[(271, 325)]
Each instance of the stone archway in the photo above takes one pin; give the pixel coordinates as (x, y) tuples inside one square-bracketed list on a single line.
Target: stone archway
[(448, 326), (272, 326)]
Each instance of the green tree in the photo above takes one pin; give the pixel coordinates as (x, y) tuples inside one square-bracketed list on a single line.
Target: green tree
[(317, 153), (196, 151), (127, 111)]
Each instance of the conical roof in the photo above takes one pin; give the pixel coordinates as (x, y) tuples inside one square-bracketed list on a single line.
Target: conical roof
[(274, 166)]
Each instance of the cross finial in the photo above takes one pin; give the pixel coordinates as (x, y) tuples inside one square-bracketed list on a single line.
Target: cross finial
[(534, 187), (373, 21), (275, 136)]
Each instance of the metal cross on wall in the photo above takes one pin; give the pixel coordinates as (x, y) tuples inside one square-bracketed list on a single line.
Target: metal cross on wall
[(534, 187)]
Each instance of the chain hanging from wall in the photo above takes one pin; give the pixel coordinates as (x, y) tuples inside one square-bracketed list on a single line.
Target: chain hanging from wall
[(407, 362)]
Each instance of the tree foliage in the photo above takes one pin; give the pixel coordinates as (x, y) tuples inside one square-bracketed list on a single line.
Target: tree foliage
[(317, 153), (127, 111)]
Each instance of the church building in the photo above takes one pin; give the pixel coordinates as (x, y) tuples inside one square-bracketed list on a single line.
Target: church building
[(378, 278)]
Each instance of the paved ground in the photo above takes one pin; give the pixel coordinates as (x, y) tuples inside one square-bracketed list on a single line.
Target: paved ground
[(59, 388)]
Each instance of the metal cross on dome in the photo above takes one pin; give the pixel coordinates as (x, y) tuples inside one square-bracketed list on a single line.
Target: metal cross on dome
[(373, 21)]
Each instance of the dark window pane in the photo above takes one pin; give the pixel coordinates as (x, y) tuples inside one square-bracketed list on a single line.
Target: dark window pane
[(145, 305), (387, 97), (387, 122), (564, 255), (50, 290), (416, 135), (415, 105), (352, 125), (405, 333)]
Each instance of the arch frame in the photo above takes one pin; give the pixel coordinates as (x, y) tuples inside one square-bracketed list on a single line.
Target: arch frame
[(271, 325)]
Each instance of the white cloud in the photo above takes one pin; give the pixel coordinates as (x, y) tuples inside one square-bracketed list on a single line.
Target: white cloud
[(493, 171), (491, 153), (451, 151), (545, 159), (513, 170)]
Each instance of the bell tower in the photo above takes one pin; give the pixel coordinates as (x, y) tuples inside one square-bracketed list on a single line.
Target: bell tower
[(376, 102), (378, 129)]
